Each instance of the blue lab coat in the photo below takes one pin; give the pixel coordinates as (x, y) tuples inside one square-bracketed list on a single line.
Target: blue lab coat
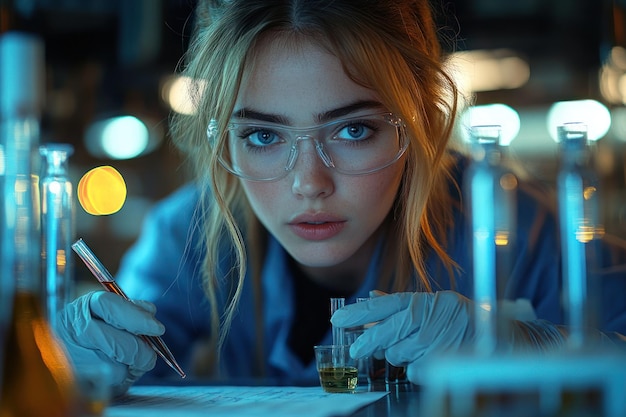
[(164, 267)]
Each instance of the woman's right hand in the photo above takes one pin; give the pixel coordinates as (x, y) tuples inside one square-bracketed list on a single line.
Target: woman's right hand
[(104, 327)]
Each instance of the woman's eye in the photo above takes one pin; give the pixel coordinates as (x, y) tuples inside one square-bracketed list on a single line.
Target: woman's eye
[(261, 137), (354, 132)]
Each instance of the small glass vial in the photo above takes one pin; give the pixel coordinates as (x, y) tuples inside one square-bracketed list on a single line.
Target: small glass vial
[(490, 189), (581, 229), (57, 221)]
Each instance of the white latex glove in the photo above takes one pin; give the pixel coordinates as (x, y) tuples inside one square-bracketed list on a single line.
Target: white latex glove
[(103, 327), (413, 326)]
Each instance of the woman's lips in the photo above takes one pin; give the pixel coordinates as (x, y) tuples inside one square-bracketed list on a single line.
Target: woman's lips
[(317, 231), (314, 229)]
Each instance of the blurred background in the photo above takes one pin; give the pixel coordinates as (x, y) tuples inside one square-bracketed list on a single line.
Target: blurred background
[(113, 62)]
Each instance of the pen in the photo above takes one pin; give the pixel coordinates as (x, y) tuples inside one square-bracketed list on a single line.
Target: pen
[(106, 279)]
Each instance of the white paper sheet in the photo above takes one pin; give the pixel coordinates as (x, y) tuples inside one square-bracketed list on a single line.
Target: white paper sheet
[(218, 401)]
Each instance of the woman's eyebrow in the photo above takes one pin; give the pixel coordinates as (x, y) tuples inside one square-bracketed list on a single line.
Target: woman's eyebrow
[(350, 108), (251, 114)]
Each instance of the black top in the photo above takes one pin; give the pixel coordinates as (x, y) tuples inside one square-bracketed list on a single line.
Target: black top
[(312, 318)]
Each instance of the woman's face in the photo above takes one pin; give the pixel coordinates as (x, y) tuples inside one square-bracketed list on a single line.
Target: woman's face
[(321, 217)]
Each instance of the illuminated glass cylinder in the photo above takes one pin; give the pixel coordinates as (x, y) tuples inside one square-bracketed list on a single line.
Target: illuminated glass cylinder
[(490, 189), (57, 223), (19, 128), (36, 376), (20, 57), (578, 199)]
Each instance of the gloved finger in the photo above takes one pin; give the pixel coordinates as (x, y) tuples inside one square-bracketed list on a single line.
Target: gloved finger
[(136, 317), (379, 354), (445, 326), (377, 293), (413, 354), (79, 328), (146, 305), (406, 351), (120, 345), (422, 344), (375, 309), (415, 372), (375, 339), (396, 327), (120, 377), (89, 341)]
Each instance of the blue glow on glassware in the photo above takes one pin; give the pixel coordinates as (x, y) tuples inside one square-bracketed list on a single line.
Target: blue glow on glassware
[(577, 188), (491, 192), (57, 208)]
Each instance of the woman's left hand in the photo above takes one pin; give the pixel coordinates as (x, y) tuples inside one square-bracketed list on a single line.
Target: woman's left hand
[(410, 327)]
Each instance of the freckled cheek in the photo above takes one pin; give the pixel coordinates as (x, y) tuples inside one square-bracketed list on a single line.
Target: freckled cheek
[(374, 192), (383, 184), (263, 195)]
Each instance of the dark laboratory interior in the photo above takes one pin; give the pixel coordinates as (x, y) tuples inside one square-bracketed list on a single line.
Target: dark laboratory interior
[(114, 58)]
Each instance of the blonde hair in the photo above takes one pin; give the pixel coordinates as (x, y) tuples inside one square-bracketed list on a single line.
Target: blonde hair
[(390, 46)]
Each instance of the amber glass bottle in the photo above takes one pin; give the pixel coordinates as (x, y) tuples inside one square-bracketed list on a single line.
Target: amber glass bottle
[(37, 379)]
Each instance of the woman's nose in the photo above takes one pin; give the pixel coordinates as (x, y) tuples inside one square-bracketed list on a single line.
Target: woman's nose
[(311, 178)]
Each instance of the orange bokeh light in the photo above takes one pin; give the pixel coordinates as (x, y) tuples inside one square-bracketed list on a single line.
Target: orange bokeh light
[(102, 191)]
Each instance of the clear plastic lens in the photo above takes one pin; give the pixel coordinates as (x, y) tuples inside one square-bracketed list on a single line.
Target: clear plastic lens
[(353, 146)]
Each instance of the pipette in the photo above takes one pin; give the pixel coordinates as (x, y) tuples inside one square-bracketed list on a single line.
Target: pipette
[(106, 279)]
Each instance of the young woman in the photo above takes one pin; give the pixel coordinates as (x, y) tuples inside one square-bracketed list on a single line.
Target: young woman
[(324, 167)]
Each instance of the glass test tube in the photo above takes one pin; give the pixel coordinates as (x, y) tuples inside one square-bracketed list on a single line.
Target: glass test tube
[(105, 278), (351, 335), (491, 191), (577, 188), (338, 333), (57, 211)]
